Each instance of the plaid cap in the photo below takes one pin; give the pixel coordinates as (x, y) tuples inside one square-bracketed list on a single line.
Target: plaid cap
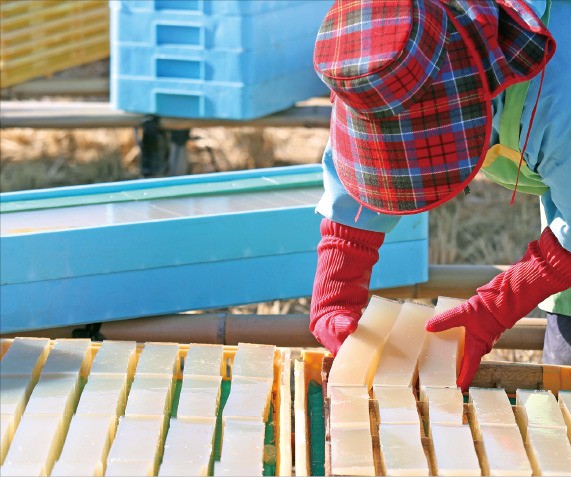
[(412, 84)]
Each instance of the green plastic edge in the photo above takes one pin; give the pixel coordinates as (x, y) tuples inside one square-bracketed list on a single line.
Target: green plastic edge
[(258, 184), (316, 428)]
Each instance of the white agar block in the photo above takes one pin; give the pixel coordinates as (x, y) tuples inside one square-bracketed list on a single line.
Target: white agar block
[(358, 356), (397, 405), (349, 406), (189, 441), (136, 446), (248, 398), (445, 405), (243, 442), (158, 358), (237, 469), (352, 452), (504, 451), (149, 396), (23, 470), (199, 396), (550, 451), (6, 434), (25, 356), (564, 398), (454, 451), (203, 360), (182, 469), (88, 441), (398, 362), (14, 394), (541, 408), (254, 361), (130, 469), (69, 356), (54, 394), (402, 450), (75, 469), (103, 394), (438, 360), (29, 446), (115, 357), (492, 407)]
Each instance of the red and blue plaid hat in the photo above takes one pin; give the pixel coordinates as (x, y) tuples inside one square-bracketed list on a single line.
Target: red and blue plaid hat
[(412, 83)]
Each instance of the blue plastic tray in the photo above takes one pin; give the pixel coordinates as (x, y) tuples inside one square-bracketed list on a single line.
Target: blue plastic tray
[(210, 7), (195, 29), (180, 63), (151, 247), (210, 99)]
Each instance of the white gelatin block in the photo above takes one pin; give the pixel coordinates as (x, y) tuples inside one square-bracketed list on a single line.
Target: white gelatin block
[(243, 441), (149, 396), (454, 450), (492, 407), (204, 360), (564, 398), (397, 405), (130, 469), (401, 449), (189, 441), (103, 394), (238, 469), (75, 469), (25, 356), (14, 394), (504, 451), (158, 358), (54, 394), (182, 469), (254, 361), (6, 434), (349, 406), (358, 356), (137, 442), (69, 356), (550, 451), (352, 452), (445, 405), (199, 396), (30, 446), (115, 357), (249, 398), (541, 408), (88, 440), (438, 360), (23, 470), (301, 421), (398, 363)]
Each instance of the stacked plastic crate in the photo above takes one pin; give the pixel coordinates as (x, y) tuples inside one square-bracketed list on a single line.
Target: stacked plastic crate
[(41, 37), (232, 59)]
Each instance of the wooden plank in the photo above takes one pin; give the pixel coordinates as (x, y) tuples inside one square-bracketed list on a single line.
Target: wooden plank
[(84, 115)]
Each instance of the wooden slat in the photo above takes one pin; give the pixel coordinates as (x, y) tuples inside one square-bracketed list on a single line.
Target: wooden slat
[(83, 115)]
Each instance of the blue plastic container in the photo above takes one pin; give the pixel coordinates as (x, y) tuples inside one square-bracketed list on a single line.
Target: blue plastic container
[(213, 59), (106, 252)]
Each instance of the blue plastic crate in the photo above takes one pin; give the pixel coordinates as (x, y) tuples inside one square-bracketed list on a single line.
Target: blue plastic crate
[(209, 99), (151, 247), (246, 66), (194, 29), (210, 7)]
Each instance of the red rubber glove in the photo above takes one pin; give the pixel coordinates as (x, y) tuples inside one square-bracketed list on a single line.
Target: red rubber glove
[(545, 269), (345, 258)]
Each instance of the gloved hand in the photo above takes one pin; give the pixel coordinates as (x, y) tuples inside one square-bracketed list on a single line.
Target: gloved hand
[(545, 269), (345, 258)]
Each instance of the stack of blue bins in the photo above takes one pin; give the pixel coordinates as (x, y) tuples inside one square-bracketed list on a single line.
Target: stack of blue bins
[(228, 59)]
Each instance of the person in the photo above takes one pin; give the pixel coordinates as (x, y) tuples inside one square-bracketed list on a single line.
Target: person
[(417, 91)]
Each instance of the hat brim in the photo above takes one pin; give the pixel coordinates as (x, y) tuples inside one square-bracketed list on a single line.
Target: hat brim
[(421, 158)]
